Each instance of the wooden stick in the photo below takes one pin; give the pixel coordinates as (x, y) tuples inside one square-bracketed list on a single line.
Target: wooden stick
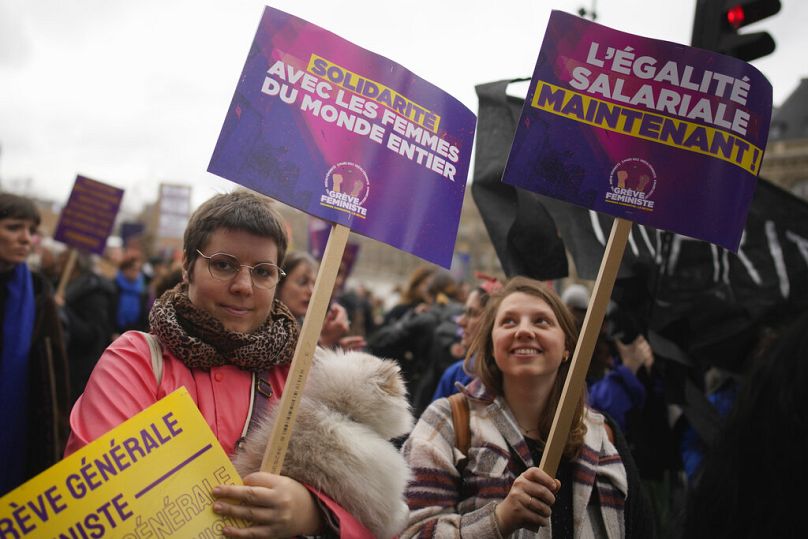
[(304, 352), (67, 272), (576, 377)]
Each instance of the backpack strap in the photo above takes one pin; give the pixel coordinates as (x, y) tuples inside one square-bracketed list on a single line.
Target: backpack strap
[(259, 405), (261, 386), (460, 420), (156, 356)]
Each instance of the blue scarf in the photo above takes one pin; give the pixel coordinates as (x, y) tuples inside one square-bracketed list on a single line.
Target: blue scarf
[(129, 299), (18, 330)]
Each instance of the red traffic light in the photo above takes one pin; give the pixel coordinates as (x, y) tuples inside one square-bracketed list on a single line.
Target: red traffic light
[(738, 13), (736, 16), (716, 25)]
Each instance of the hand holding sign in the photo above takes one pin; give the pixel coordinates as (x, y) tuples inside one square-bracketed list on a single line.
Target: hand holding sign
[(647, 131), (270, 507), (151, 475)]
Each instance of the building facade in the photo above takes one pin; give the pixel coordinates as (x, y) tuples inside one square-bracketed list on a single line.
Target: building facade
[(786, 160)]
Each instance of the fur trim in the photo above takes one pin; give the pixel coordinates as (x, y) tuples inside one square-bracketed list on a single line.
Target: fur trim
[(352, 405)]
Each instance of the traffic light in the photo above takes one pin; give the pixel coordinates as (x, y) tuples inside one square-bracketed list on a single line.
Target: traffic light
[(716, 24)]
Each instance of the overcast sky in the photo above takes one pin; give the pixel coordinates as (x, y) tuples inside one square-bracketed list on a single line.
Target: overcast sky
[(134, 92)]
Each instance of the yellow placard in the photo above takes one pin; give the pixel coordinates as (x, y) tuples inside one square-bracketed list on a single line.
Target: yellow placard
[(151, 476)]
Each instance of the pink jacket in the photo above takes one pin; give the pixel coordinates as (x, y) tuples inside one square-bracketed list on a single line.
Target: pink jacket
[(123, 384)]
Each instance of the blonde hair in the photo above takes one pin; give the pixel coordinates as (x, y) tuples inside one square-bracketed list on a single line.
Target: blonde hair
[(485, 367)]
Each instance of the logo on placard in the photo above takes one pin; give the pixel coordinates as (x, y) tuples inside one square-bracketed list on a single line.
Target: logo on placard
[(632, 182), (346, 189)]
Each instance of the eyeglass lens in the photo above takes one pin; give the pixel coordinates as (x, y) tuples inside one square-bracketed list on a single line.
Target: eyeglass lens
[(225, 267)]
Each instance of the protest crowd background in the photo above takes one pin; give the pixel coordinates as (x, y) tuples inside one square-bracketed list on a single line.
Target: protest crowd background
[(697, 342)]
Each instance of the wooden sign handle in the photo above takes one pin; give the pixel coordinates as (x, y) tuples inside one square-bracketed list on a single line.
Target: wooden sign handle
[(576, 377), (67, 272), (304, 352)]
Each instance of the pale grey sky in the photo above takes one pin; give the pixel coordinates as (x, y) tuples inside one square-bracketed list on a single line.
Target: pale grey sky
[(133, 93)]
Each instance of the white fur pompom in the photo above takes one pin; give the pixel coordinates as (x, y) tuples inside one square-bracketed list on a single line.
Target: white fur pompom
[(353, 404)]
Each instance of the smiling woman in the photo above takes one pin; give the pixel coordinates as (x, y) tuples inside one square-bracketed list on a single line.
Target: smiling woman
[(528, 341), (521, 348), (528, 318), (227, 338)]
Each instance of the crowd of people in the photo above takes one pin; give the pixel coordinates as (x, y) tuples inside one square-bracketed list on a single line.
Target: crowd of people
[(227, 318)]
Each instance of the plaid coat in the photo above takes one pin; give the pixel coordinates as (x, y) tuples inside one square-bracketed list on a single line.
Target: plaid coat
[(442, 504)]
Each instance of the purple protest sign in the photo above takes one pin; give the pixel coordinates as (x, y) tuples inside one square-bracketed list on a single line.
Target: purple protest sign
[(348, 136), (87, 219), (647, 130), (130, 230)]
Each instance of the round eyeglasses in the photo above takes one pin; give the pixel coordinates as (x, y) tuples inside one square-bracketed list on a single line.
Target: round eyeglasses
[(223, 267)]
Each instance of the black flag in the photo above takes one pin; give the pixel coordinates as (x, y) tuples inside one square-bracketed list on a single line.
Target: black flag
[(523, 234)]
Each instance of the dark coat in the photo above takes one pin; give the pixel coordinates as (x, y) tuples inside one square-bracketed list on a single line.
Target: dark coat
[(410, 341), (87, 311), (48, 405)]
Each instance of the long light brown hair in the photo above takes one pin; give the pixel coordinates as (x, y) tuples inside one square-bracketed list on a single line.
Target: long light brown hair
[(485, 367)]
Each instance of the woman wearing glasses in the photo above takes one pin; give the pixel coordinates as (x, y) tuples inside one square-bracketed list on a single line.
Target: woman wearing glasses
[(226, 338)]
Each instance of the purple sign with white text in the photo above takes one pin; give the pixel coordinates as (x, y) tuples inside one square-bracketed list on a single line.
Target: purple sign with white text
[(651, 131), (86, 220), (348, 136)]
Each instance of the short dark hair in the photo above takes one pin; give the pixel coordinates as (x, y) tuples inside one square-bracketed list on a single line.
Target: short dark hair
[(239, 210), (17, 207)]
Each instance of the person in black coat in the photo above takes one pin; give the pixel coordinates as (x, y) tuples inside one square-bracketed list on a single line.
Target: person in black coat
[(751, 479), (34, 386), (86, 311), (422, 338)]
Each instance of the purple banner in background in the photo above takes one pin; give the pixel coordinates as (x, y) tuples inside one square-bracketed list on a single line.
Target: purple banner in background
[(319, 231), (650, 131), (131, 231), (87, 219), (348, 136)]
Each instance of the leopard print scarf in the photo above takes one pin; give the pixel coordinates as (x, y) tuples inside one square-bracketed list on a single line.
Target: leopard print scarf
[(200, 341)]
